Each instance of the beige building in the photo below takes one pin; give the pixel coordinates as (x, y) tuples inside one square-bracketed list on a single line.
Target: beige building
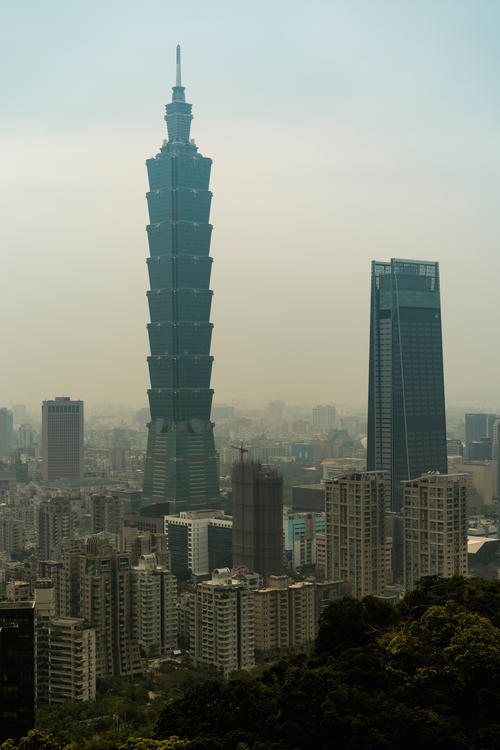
[(482, 478), (18, 591), (355, 531), (435, 526), (154, 607), (321, 554), (224, 623), (287, 614), (72, 661)]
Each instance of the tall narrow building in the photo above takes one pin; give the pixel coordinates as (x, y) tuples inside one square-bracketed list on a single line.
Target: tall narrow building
[(257, 506), (435, 527), (406, 409), (62, 439), (356, 548), (181, 468)]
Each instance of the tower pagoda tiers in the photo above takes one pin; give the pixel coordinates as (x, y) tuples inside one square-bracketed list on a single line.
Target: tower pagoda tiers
[(181, 466)]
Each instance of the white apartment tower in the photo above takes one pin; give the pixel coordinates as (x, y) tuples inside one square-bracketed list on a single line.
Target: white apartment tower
[(435, 526), (154, 607), (355, 531), (62, 439), (224, 623)]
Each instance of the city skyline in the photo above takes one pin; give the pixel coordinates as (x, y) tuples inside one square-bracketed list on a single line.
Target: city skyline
[(406, 141)]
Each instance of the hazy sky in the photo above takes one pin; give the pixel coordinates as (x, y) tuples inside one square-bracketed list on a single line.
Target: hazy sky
[(341, 131)]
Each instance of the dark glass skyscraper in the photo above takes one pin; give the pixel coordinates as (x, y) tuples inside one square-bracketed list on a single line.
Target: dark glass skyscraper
[(181, 467), (406, 411)]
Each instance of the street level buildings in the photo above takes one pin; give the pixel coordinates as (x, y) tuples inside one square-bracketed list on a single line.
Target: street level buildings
[(435, 526), (62, 439), (356, 547), (406, 407), (181, 466)]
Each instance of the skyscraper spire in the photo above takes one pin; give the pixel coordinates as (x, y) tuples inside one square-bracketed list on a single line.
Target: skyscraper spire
[(181, 465), (178, 66)]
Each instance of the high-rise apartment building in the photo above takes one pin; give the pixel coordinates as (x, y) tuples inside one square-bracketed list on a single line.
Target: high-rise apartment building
[(107, 513), (154, 607), (257, 508), (285, 615), (97, 588), (62, 439), (435, 526), (55, 525), (181, 465), (224, 623), (72, 661), (324, 417), (356, 546), (6, 432), (17, 669), (406, 408)]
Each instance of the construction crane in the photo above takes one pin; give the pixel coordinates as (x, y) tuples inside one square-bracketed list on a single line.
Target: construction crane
[(241, 450)]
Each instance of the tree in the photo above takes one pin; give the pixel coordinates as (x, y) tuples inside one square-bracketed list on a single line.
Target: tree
[(349, 623)]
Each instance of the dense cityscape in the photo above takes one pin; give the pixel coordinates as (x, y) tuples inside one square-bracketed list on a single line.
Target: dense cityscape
[(249, 575)]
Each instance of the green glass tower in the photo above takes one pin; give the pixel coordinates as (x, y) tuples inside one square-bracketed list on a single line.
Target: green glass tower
[(181, 466)]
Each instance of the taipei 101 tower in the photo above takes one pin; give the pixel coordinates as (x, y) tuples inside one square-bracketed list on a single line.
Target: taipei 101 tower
[(181, 466)]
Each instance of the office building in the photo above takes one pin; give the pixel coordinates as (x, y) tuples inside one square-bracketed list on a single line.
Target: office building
[(406, 409), (55, 525), (356, 546), (62, 439), (435, 527), (6, 433), (454, 447), (197, 539), (257, 508), (17, 669), (324, 417), (181, 466), (154, 607), (223, 631), (478, 427)]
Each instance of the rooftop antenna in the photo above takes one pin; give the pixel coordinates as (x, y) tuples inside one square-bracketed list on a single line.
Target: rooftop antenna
[(241, 450), (178, 66)]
